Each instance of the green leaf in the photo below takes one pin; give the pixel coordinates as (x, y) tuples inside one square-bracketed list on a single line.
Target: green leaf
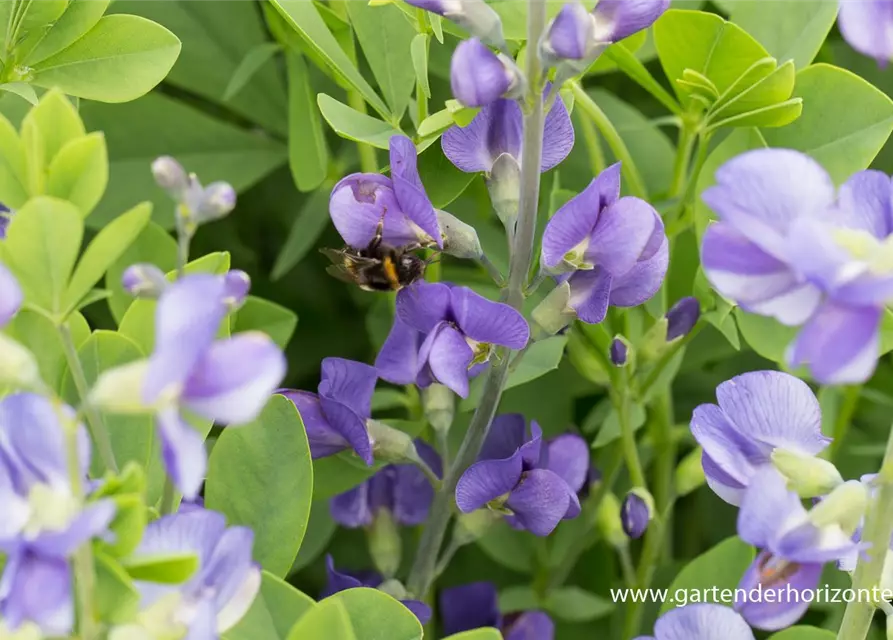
[(573, 604), (21, 89), (41, 247), (38, 333), (310, 222), (767, 336), (13, 172), (117, 600), (304, 18), (477, 634), (329, 619), (377, 616), (58, 122), (275, 320), (260, 475), (803, 633), (79, 172), (273, 613), (777, 115), (795, 30), (319, 531), (78, 19), (419, 52), (353, 125), (211, 148), (843, 139), (170, 568), (308, 154), (713, 571), (631, 66), (251, 63), (509, 547), (610, 429), (339, 473), (764, 85), (443, 181), (385, 36), (121, 58), (108, 245)]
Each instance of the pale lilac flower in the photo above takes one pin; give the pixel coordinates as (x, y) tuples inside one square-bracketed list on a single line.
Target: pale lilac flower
[(868, 26), (534, 484), (43, 522), (221, 590), (401, 489), (442, 332), (227, 381), (788, 247), (11, 297), (362, 201), (479, 77), (619, 19), (196, 202), (616, 248), (335, 417), (497, 130), (792, 551), (475, 605), (757, 413), (144, 280), (571, 34), (700, 622), (475, 16)]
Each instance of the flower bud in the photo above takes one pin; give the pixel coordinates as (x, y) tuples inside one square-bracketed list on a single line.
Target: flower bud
[(385, 543), (440, 407), (474, 526), (619, 19), (120, 390), (170, 176), (636, 512), (608, 521), (11, 296), (553, 314), (682, 317), (504, 185), (475, 16), (570, 36), (394, 588), (18, 366), (144, 280), (654, 343), (236, 285), (619, 351), (218, 199), (390, 444), (459, 239), (845, 507), (479, 77), (5, 219), (584, 356), (807, 475), (690, 473)]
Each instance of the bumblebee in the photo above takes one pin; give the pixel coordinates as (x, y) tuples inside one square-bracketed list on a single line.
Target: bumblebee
[(378, 267)]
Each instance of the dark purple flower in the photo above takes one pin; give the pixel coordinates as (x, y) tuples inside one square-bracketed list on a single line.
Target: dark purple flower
[(792, 547), (361, 201), (401, 489), (571, 34), (497, 130), (618, 352), (10, 295), (534, 485), (788, 247), (480, 77), (335, 417), (616, 248), (337, 581), (868, 26), (682, 317), (757, 413), (475, 605), (701, 622), (635, 513), (223, 587), (442, 332), (227, 381), (619, 19), (43, 521), (5, 215)]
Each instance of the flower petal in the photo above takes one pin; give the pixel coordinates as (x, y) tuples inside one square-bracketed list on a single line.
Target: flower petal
[(840, 344), (766, 507), (32, 442), (865, 24), (540, 501), (423, 305), (783, 608), (412, 494), (865, 198), (37, 589), (558, 137), (569, 36), (760, 193), (487, 480), (506, 435), (92, 522), (351, 508), (409, 189), (478, 77), (618, 19), (530, 625), (358, 204), (568, 457), (337, 581), (469, 606), (235, 378), (350, 383), (486, 321), (723, 484), (349, 425), (324, 439), (419, 609), (622, 233), (447, 357), (398, 360), (641, 282), (11, 297), (183, 451), (230, 572), (702, 622), (590, 293), (495, 130)]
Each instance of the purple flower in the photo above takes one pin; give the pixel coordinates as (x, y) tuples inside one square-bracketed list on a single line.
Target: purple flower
[(442, 332), (44, 522), (199, 203), (534, 485), (868, 26), (788, 247), (5, 215), (497, 130), (361, 201), (635, 513), (616, 248), (682, 317), (401, 489), (480, 77), (758, 412), (227, 381), (475, 16), (792, 547), (701, 622), (618, 352), (223, 587), (10, 295), (475, 605), (619, 19), (571, 34), (335, 417), (337, 581)]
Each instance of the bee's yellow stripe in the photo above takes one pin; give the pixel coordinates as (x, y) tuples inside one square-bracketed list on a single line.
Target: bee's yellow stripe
[(390, 270)]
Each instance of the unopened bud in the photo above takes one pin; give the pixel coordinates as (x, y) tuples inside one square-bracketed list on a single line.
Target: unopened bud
[(385, 543), (654, 343), (170, 176), (553, 314), (440, 406), (218, 200), (144, 281), (393, 588), (475, 16), (608, 521), (18, 366), (636, 512), (480, 77), (120, 390), (682, 318), (236, 285), (845, 507), (570, 35), (504, 185), (690, 473), (459, 239), (390, 444), (807, 475), (619, 351)]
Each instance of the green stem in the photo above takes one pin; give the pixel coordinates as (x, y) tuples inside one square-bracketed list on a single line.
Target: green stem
[(621, 398), (851, 395), (423, 569), (618, 147), (626, 566), (95, 424), (654, 375), (368, 162), (687, 139), (647, 566), (593, 148), (877, 531)]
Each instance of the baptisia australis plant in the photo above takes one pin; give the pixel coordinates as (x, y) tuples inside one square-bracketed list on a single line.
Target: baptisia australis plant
[(475, 605)]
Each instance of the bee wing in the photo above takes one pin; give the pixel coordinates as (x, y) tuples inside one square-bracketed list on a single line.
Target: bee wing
[(341, 272), (345, 259)]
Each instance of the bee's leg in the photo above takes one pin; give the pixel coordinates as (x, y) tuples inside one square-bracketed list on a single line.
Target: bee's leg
[(379, 232)]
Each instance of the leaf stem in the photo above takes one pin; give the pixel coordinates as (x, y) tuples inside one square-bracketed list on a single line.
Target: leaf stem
[(621, 399), (368, 161)]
